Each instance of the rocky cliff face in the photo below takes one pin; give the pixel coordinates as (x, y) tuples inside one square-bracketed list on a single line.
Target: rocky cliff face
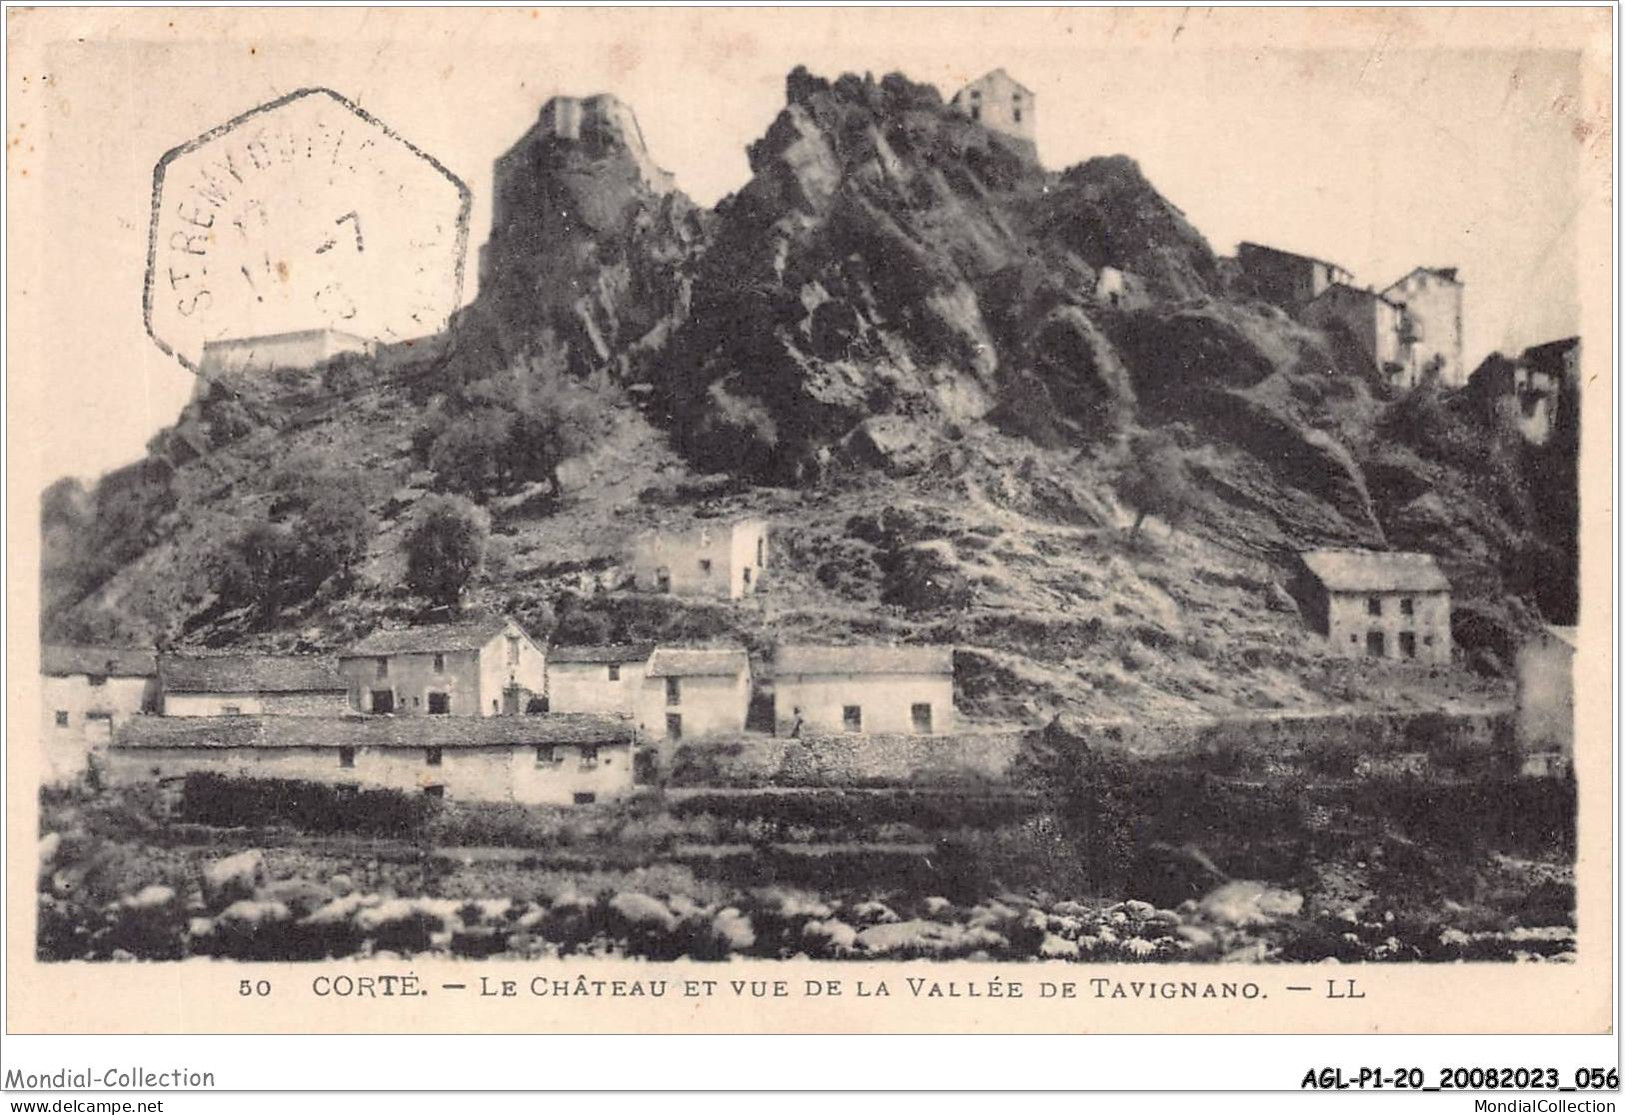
[(899, 308), (589, 241)]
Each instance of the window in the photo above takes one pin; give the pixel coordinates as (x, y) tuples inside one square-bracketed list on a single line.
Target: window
[(382, 668), (1407, 606), (1373, 606), (1017, 113), (920, 714), (99, 716), (747, 576), (383, 700), (1376, 646), (705, 565), (546, 755), (674, 726), (584, 798), (852, 718), (614, 671), (346, 757), (97, 679), (1427, 640), (589, 758), (761, 552), (513, 650), (439, 663), (975, 112), (433, 756), (61, 718), (435, 791), (1407, 644), (231, 710), (439, 704), (674, 691), (662, 580)]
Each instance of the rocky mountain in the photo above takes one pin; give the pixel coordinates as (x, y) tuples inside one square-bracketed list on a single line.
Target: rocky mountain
[(926, 357)]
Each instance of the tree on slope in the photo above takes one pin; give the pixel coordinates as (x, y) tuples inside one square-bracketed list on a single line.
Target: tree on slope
[(445, 547), (1155, 480)]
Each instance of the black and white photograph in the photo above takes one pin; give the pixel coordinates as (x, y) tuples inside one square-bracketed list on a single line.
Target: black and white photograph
[(1095, 493)]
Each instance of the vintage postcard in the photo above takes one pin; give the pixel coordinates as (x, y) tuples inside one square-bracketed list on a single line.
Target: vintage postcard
[(809, 521)]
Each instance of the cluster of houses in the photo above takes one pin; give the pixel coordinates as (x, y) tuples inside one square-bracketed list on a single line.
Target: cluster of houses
[(1411, 329), (472, 709), (475, 709)]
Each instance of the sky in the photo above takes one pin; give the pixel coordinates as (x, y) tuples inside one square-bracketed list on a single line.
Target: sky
[(1339, 133)]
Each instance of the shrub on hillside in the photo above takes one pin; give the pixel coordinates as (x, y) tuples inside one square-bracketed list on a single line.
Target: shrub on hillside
[(215, 799), (445, 547)]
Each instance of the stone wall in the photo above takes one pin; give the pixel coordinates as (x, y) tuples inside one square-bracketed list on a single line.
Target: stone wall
[(1351, 741)]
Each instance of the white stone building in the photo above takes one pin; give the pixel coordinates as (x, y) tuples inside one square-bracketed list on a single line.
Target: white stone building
[(905, 690), (693, 692), (1545, 711), (1377, 604), (527, 759), (1000, 102), (252, 684), (86, 692), (475, 667), (607, 680), (723, 560)]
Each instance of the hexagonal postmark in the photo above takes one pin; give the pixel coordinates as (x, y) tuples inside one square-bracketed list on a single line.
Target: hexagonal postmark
[(302, 217)]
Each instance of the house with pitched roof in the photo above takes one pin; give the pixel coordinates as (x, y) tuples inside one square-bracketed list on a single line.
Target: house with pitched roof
[(690, 692), (828, 690), (1000, 102), (597, 679), (472, 667), (529, 759), (1377, 604), (251, 684), (86, 692), (1290, 280)]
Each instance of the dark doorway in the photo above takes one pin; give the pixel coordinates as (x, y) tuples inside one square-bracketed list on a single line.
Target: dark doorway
[(674, 726), (383, 700), (439, 704), (1407, 644), (1376, 646), (852, 718)]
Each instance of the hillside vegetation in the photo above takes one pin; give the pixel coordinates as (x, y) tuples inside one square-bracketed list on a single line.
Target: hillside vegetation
[(888, 343)]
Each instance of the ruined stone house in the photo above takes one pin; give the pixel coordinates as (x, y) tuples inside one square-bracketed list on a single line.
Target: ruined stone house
[(230, 359), (1377, 604), (724, 560), (1379, 325)]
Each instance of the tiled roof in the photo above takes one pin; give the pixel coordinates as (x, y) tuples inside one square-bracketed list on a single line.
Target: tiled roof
[(471, 634), (120, 662), (1375, 571), (369, 731), (864, 660), (252, 673), (614, 652), (691, 662)]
